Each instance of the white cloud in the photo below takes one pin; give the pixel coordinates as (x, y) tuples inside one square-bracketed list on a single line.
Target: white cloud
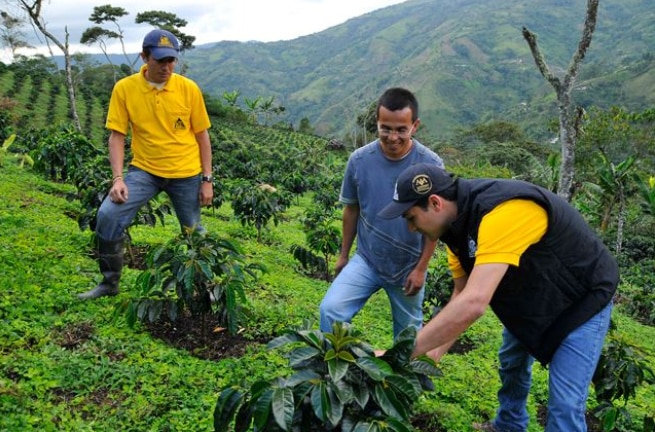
[(212, 20)]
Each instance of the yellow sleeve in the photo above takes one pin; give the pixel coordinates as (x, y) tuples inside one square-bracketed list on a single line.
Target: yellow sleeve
[(508, 230), (454, 265)]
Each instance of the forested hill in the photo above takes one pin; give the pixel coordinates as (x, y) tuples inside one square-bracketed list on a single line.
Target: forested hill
[(466, 60)]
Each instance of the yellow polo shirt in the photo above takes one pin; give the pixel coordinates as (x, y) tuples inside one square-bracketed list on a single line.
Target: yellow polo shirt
[(163, 123), (505, 233)]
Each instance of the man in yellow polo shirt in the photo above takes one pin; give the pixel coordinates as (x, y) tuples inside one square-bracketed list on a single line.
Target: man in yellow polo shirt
[(530, 255), (166, 116)]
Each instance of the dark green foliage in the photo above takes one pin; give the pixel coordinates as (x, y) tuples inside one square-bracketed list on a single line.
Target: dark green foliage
[(93, 182), (255, 205), (62, 152), (438, 286), (327, 188), (197, 273), (5, 120), (338, 384), (637, 296), (311, 264), (620, 372), (323, 237)]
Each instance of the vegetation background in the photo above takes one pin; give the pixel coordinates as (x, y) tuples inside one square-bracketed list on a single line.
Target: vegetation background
[(71, 365)]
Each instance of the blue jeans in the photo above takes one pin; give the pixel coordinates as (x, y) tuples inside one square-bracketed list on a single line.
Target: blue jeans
[(569, 376), (184, 193), (356, 283)]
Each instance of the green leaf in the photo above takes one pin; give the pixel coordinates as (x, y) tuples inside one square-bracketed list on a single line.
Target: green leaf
[(228, 402), (364, 426), (397, 425), (300, 355), (313, 337), (330, 354), (320, 401), (301, 377), (206, 270), (361, 395), (337, 369), (389, 403), (374, 367), (609, 419), (262, 409), (346, 356), (282, 405), (283, 340), (335, 407), (408, 387)]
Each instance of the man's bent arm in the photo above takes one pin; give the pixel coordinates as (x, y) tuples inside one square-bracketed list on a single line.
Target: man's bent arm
[(469, 305)]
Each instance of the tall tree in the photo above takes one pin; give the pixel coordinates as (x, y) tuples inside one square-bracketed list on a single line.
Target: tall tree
[(11, 34), (167, 21), (33, 10), (97, 34), (568, 121)]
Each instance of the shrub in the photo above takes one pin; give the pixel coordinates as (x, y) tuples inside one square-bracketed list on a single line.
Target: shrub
[(195, 272), (256, 205), (63, 152), (338, 384), (620, 371)]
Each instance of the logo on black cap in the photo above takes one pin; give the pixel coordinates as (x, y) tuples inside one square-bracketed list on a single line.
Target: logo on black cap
[(422, 184)]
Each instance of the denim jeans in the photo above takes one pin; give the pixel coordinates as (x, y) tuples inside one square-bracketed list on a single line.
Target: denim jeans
[(569, 376), (184, 194), (354, 285)]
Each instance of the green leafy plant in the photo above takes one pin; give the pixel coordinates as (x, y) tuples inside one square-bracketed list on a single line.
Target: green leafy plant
[(323, 237), (620, 372), (256, 205), (310, 264), (338, 384), (438, 286), (22, 157), (195, 272), (62, 152)]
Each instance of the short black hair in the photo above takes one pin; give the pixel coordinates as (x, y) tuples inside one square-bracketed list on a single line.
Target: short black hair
[(396, 99)]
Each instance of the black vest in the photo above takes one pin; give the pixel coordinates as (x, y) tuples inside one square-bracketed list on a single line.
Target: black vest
[(560, 282)]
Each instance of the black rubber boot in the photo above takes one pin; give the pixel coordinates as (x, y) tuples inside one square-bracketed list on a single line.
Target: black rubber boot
[(110, 261)]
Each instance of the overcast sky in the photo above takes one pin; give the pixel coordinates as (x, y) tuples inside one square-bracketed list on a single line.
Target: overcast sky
[(208, 20)]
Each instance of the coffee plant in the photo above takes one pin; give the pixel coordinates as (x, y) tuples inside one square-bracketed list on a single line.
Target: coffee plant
[(337, 384), (197, 273)]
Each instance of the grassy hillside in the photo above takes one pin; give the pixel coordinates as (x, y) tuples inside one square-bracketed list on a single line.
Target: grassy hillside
[(67, 365)]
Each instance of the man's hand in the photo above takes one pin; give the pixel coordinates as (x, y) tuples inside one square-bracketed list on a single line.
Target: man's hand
[(341, 263), (206, 193), (414, 282), (118, 192)]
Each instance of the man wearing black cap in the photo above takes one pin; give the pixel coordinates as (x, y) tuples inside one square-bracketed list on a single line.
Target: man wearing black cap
[(166, 117), (531, 256)]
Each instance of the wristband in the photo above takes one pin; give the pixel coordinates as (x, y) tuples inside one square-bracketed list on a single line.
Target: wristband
[(115, 179)]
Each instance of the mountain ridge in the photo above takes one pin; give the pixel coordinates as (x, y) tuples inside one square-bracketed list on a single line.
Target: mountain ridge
[(465, 59)]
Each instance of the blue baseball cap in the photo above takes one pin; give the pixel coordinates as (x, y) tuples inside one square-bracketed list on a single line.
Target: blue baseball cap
[(162, 44)]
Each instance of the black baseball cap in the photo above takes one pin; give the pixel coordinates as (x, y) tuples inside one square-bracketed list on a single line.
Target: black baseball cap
[(413, 184)]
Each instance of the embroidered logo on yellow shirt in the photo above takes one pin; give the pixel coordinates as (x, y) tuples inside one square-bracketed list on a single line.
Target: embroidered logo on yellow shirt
[(179, 124)]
